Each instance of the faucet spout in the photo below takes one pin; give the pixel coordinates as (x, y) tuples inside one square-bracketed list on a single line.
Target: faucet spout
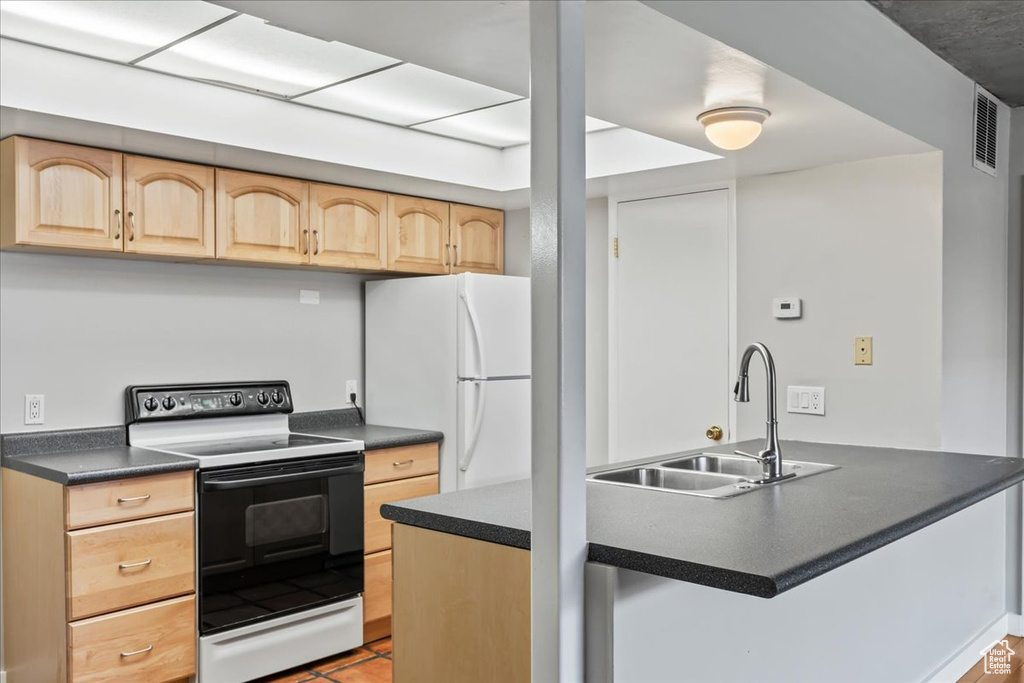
[(771, 457)]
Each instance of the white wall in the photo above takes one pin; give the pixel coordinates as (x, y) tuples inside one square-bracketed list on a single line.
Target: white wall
[(79, 330), (854, 53), (861, 244), (893, 616), (517, 262)]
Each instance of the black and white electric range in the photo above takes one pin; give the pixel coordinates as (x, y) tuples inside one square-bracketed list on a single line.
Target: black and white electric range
[(279, 524)]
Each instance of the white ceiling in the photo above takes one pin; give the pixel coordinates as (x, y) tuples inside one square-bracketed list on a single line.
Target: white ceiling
[(645, 71), (460, 69)]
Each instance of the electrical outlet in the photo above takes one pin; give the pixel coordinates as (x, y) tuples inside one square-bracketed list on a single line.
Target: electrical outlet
[(806, 400), (862, 350), (351, 387), (309, 296), (34, 404)]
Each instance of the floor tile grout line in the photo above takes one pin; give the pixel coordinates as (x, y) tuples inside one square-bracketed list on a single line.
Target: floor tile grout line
[(349, 666)]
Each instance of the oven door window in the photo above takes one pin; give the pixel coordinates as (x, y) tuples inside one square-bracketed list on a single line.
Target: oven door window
[(275, 539)]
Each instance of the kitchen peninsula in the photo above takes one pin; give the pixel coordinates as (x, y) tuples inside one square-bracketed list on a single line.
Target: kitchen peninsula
[(873, 570)]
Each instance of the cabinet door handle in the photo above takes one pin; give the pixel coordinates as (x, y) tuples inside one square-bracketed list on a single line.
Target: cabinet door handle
[(305, 235), (455, 261), (133, 499), (316, 243), (132, 565), (131, 226), (137, 652), (447, 254), (402, 463), (117, 215)]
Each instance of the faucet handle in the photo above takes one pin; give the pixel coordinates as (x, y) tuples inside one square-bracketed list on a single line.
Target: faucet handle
[(758, 458)]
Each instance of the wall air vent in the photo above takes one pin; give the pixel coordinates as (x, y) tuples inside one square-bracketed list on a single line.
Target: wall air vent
[(985, 131)]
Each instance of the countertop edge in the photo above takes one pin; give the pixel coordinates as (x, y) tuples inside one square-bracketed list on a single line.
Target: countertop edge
[(19, 464), (804, 573), (480, 531)]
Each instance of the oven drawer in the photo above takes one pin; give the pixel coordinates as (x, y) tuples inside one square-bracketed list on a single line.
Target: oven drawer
[(400, 463), (118, 501), (378, 529), (154, 643), (127, 564)]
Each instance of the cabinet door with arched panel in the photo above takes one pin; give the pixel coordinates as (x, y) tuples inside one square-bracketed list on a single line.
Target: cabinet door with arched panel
[(58, 195), (169, 208), (348, 227), (418, 240), (478, 240), (262, 218)]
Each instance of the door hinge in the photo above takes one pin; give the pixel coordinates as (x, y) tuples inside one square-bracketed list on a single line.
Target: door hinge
[(615, 247)]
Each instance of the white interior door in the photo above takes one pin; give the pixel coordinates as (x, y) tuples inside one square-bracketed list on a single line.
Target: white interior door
[(671, 323), (500, 451)]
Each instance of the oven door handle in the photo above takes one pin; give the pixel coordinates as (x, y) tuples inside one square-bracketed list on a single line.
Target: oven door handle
[(229, 484)]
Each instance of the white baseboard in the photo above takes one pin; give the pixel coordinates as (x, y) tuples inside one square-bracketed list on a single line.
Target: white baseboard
[(957, 665)]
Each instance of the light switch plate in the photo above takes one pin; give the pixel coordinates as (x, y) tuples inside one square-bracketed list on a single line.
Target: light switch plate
[(309, 296), (805, 400), (862, 350)]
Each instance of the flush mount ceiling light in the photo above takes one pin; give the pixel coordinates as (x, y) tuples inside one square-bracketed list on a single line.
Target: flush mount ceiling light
[(733, 128)]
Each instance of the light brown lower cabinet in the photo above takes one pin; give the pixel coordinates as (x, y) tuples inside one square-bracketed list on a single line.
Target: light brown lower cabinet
[(151, 643), (89, 598), (391, 474), (461, 609)]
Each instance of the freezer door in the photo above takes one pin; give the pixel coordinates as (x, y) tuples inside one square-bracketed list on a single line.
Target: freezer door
[(494, 326), (494, 432)]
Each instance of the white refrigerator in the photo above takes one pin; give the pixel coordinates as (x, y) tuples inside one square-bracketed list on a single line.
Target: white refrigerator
[(452, 353)]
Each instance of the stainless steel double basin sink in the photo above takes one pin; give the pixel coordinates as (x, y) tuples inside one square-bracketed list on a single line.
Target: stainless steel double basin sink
[(710, 475)]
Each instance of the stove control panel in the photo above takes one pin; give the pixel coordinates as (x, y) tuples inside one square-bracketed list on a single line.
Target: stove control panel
[(144, 403)]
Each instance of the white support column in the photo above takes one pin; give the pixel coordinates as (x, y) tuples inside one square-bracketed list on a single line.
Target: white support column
[(558, 232)]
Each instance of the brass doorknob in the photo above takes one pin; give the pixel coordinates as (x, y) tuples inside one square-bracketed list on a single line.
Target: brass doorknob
[(714, 433)]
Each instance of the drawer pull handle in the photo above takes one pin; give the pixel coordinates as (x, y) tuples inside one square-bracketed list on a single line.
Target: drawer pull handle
[(401, 463), (131, 565), (132, 499), (137, 652)]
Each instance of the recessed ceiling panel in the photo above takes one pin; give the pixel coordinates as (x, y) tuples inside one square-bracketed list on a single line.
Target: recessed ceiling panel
[(119, 31), (406, 95), (248, 52), (502, 126)]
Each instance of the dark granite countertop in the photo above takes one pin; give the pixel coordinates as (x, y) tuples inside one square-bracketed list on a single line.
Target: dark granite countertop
[(345, 424), (760, 543), (97, 464), (80, 456)]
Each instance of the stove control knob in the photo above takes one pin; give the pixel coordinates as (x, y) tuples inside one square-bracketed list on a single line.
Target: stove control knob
[(236, 399), (262, 398), (150, 404), (169, 403), (277, 396)]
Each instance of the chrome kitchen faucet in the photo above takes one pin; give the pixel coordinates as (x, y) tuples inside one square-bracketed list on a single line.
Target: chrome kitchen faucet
[(771, 457)]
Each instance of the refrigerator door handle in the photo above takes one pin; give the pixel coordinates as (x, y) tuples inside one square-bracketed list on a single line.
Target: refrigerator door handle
[(478, 420), (477, 337)]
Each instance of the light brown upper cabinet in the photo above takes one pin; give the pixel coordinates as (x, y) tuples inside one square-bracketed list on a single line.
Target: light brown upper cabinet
[(58, 195), (169, 208), (418, 240), (349, 227), (262, 218), (478, 240)]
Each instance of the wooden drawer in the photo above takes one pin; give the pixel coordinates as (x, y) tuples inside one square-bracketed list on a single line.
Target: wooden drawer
[(400, 463), (162, 635), (378, 529), (101, 578), (117, 501), (377, 596)]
